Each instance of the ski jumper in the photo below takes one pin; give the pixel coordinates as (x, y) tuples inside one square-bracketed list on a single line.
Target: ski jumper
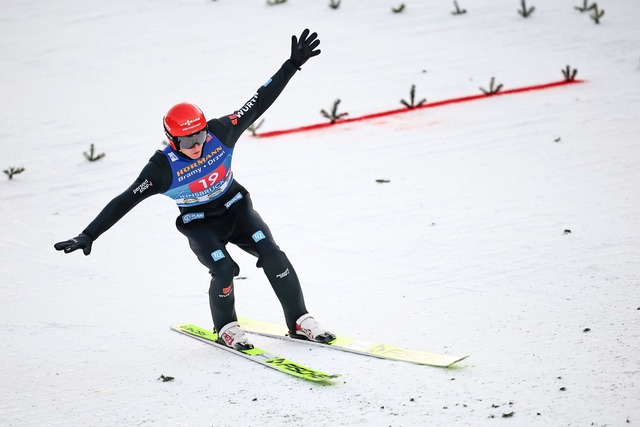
[(215, 209)]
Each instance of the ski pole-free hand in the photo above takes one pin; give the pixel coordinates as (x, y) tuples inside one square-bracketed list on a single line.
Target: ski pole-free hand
[(304, 48), (82, 241)]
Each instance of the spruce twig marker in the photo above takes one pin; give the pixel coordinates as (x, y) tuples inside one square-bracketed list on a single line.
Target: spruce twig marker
[(412, 100), (585, 6), (458, 11), (254, 127), (334, 4), (526, 12), (91, 156), (492, 90), (334, 116), (13, 171), (597, 14), (569, 74), (398, 9)]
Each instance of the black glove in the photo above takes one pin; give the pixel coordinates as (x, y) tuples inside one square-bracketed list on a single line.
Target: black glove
[(83, 241), (305, 48)]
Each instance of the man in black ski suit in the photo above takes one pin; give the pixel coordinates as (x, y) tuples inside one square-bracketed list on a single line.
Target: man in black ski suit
[(195, 171)]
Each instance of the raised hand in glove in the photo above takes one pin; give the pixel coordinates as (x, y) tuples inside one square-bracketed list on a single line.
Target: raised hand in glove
[(83, 241), (305, 48)]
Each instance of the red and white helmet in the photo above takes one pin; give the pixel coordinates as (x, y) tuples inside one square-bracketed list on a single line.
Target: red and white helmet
[(181, 120)]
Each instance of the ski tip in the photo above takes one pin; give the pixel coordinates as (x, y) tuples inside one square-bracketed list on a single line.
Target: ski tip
[(454, 364), (328, 379)]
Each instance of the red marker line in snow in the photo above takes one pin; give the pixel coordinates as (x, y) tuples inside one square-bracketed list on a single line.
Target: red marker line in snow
[(406, 110)]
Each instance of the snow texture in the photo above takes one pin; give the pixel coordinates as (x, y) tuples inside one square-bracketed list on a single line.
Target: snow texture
[(463, 251)]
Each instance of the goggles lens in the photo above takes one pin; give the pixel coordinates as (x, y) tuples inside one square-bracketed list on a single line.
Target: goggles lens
[(189, 141)]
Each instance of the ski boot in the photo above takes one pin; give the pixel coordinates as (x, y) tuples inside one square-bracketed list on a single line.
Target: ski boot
[(307, 328), (232, 336)]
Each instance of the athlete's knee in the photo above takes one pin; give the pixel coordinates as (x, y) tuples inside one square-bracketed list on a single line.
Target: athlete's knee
[(223, 270), (272, 258)]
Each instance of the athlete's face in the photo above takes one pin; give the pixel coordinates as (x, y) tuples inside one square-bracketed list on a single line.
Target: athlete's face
[(194, 152), (191, 145)]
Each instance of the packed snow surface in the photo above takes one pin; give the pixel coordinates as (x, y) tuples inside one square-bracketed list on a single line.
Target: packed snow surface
[(509, 228)]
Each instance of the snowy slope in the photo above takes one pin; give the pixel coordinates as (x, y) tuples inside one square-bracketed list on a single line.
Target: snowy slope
[(464, 251)]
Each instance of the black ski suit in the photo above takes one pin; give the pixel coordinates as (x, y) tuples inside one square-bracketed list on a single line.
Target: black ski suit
[(221, 213)]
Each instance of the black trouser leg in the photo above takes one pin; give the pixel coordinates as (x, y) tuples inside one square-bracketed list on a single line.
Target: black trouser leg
[(258, 241), (285, 284), (221, 293), (212, 253)]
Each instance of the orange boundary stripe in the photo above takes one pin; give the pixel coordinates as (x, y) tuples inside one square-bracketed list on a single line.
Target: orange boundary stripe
[(406, 110)]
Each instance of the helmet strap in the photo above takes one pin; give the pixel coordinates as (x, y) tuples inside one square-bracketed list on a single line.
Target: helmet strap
[(173, 141)]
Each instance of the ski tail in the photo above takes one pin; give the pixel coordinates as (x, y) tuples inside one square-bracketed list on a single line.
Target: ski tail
[(358, 346)]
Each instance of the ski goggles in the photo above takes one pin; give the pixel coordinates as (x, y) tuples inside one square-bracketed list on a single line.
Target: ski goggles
[(189, 141)]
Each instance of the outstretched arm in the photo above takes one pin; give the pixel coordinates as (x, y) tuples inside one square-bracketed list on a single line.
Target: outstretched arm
[(233, 125), (112, 213), (148, 183)]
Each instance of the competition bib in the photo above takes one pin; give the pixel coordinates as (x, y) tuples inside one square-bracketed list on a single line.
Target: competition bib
[(199, 181)]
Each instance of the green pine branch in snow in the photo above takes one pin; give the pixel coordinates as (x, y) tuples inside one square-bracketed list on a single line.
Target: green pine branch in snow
[(13, 171), (597, 14), (254, 127), (492, 88), (526, 12), (569, 74), (334, 116), (458, 11), (412, 99), (92, 156), (585, 6)]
